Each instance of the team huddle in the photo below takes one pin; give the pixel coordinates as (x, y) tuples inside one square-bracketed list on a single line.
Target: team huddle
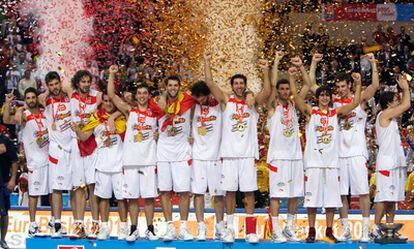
[(99, 144)]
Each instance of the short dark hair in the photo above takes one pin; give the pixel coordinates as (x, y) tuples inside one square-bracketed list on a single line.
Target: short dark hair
[(238, 76), (30, 90), (78, 76), (141, 85), (385, 99), (322, 89), (52, 75), (174, 78), (199, 89), (282, 82), (343, 77)]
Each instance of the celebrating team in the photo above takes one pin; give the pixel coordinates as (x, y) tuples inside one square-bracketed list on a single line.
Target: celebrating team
[(97, 144)]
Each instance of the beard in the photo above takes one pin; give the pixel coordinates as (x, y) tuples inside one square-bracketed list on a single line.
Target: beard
[(31, 104)]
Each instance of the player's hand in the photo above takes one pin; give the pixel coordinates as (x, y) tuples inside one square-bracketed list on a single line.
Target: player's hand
[(279, 55), (75, 127), (403, 82), (113, 69), (292, 71), (356, 77), (317, 57), (10, 97), (297, 61), (207, 55), (263, 64), (3, 149)]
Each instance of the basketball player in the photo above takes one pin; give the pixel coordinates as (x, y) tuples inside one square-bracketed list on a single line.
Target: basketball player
[(239, 147), (391, 168), (284, 156), (139, 154), (353, 153), (108, 162), (206, 170), (174, 156), (35, 139), (322, 186)]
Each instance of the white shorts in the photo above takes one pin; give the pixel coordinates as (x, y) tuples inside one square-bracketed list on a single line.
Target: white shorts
[(322, 188), (353, 173), (286, 179), (391, 185), (239, 174), (60, 170), (139, 181), (174, 176), (83, 168), (108, 183), (38, 181), (206, 174)]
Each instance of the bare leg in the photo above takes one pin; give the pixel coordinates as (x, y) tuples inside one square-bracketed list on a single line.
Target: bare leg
[(274, 207), (364, 202), (199, 207), (133, 211), (57, 204), (184, 205), (32, 207), (292, 205), (312, 217), (330, 212), (123, 210), (343, 211), (4, 221), (390, 212), (230, 202), (93, 200), (249, 198), (166, 205), (104, 209), (379, 212), (219, 208), (149, 210)]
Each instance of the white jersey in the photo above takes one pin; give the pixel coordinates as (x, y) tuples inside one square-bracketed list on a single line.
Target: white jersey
[(35, 139), (82, 108), (321, 150), (239, 139), (173, 142), (207, 131), (140, 147), (109, 149), (390, 151), (284, 134), (352, 139), (58, 116)]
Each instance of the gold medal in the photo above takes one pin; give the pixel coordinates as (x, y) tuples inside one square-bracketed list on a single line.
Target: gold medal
[(107, 142), (202, 130), (39, 141), (172, 132), (346, 125), (81, 125), (53, 126), (241, 127), (326, 138), (287, 132), (139, 137)]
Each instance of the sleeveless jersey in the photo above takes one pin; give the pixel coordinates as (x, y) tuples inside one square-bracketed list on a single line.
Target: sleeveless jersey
[(206, 131), (239, 139), (140, 147), (35, 139), (58, 116), (109, 149), (284, 134), (321, 150), (173, 142), (390, 151), (82, 108), (352, 139)]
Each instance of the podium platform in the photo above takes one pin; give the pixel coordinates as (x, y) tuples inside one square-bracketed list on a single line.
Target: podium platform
[(66, 243)]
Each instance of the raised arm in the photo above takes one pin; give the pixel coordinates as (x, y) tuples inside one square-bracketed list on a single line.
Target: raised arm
[(306, 79), (405, 104), (67, 88), (118, 102), (7, 117), (299, 100), (357, 97), (218, 94), (370, 91), (263, 96), (316, 58), (275, 71)]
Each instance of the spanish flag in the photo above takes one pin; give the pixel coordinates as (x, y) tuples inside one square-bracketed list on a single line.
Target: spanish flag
[(183, 102)]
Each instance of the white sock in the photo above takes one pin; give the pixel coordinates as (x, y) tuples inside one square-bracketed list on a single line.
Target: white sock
[(33, 224), (220, 224), (230, 221), (275, 224), (290, 219), (183, 224), (57, 221), (365, 221), (344, 222), (105, 225)]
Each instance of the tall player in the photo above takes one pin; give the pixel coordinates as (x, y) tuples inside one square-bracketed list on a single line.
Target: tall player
[(36, 147), (353, 153), (174, 156), (391, 162), (58, 115), (108, 162), (284, 155), (139, 154), (322, 187), (206, 170), (239, 147)]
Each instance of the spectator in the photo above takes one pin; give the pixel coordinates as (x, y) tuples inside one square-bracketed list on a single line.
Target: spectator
[(26, 82), (13, 77), (379, 35), (404, 39), (8, 175)]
